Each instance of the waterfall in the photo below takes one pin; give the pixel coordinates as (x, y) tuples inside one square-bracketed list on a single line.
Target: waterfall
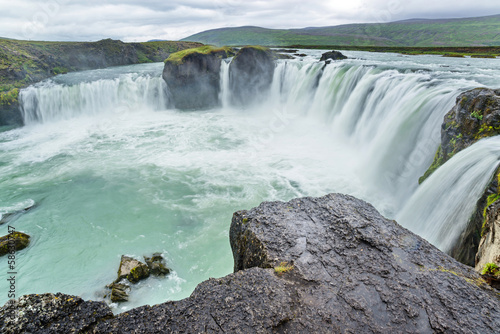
[(441, 207), (51, 101), (224, 95), (389, 117)]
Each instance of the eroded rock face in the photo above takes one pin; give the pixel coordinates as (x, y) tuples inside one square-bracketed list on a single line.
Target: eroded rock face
[(476, 115), (350, 270), (194, 80), (250, 75), (489, 247)]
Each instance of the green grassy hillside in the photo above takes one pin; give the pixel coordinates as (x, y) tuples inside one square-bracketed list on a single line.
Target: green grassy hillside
[(480, 31), (25, 62)]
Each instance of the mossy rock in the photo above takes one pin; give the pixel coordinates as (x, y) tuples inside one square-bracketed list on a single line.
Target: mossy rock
[(156, 265), (476, 115), (132, 269), (19, 241), (119, 292)]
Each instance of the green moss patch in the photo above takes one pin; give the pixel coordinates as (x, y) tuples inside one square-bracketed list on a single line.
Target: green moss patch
[(178, 57)]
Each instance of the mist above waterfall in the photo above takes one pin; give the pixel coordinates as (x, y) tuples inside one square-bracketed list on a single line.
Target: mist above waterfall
[(118, 171)]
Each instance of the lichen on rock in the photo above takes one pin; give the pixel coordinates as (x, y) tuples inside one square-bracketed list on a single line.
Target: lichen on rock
[(132, 269), (14, 241), (156, 264)]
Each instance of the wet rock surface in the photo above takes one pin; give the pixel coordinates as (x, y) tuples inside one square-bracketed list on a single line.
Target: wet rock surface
[(132, 269), (351, 271), (156, 265)]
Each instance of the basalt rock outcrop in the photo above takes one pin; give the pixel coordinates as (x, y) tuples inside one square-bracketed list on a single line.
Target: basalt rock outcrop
[(193, 77), (333, 55), (476, 115), (312, 265), (251, 74)]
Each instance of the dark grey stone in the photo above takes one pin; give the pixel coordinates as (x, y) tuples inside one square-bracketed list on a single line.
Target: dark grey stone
[(350, 270)]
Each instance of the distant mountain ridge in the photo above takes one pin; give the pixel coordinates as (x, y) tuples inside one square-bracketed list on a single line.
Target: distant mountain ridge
[(473, 31)]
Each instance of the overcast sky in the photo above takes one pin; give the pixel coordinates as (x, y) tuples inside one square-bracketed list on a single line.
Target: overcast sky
[(132, 20)]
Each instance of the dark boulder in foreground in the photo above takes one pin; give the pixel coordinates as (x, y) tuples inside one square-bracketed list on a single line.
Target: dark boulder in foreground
[(193, 76), (51, 313), (251, 74), (312, 265), (333, 55)]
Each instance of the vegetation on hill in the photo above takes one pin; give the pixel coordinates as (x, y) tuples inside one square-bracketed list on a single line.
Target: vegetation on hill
[(25, 62), (480, 31)]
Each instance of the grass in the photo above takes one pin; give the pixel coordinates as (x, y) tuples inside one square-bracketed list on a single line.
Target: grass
[(491, 269), (178, 57), (481, 31), (284, 267)]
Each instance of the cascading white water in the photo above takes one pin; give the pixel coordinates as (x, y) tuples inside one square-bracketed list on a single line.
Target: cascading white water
[(50, 101), (441, 207), (224, 92), (387, 116), (154, 179)]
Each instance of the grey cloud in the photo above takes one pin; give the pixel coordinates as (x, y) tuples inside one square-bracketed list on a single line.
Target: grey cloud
[(133, 20)]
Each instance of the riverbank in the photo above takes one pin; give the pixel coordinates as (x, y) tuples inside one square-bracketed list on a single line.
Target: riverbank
[(471, 51)]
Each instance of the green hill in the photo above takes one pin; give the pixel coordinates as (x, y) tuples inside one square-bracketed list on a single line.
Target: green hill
[(477, 31), (25, 62)]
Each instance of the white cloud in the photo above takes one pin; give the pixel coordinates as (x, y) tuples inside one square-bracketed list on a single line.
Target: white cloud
[(132, 20)]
